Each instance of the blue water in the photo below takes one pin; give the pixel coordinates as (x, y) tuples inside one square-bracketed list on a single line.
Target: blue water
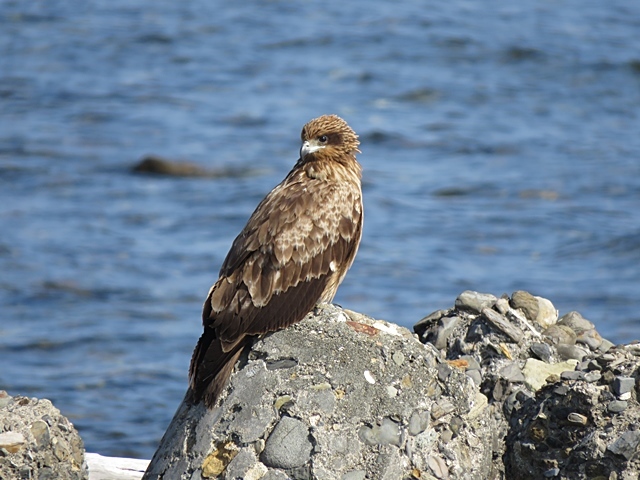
[(500, 145)]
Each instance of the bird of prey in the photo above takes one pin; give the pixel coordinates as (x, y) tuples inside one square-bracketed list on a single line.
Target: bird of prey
[(293, 253)]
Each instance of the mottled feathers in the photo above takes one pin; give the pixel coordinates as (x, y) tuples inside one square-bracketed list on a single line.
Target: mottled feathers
[(293, 253)]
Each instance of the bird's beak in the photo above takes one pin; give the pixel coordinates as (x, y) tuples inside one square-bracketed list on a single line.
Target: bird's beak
[(308, 148)]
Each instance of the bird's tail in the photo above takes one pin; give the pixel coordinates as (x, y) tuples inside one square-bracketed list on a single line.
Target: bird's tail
[(211, 367)]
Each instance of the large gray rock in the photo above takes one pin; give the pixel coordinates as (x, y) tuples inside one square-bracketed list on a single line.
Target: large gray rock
[(37, 442), (339, 395)]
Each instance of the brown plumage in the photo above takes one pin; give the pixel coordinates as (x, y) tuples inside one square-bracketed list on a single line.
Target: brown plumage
[(293, 253)]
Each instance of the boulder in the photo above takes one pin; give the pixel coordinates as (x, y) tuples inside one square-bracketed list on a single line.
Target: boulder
[(37, 442)]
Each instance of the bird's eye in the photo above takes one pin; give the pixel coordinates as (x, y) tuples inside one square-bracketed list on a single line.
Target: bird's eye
[(323, 139)]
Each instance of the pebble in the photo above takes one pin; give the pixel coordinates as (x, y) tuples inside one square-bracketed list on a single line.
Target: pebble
[(398, 358), (560, 335), (605, 346), (542, 351), (474, 301), (605, 358), (501, 323), (572, 375), (617, 406), (547, 313), (447, 326), (502, 305), (475, 376), (418, 422), (428, 321), (512, 373), (387, 433), (576, 322), (590, 338), (5, 399), (442, 408), (525, 302), (552, 472), (622, 385), (369, 378), (577, 418), (567, 352), (592, 377), (536, 372), (472, 363), (288, 445), (626, 445)]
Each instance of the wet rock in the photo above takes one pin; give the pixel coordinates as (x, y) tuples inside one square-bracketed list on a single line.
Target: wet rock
[(474, 301), (38, 442), (155, 165)]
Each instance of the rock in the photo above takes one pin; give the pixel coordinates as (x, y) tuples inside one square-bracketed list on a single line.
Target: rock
[(155, 165), (590, 338), (547, 313), (526, 302), (536, 372), (626, 445), (502, 324), (38, 442), (622, 385), (474, 301), (576, 322), (336, 423), (617, 406), (560, 335), (288, 445), (344, 396), (567, 352), (542, 351)]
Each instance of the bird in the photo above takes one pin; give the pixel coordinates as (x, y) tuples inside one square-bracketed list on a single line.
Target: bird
[(292, 254)]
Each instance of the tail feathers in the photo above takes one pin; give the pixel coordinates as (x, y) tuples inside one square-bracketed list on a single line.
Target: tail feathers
[(211, 367)]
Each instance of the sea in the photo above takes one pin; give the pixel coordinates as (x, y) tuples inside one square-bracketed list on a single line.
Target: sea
[(500, 145)]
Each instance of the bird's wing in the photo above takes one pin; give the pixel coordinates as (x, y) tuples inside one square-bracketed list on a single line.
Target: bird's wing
[(280, 264), (301, 237)]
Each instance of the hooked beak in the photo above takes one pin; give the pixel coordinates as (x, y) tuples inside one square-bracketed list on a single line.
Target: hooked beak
[(309, 147)]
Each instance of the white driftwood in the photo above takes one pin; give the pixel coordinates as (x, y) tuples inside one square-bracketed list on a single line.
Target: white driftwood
[(114, 468)]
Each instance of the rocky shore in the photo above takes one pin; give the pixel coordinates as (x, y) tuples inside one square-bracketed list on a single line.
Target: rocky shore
[(492, 388)]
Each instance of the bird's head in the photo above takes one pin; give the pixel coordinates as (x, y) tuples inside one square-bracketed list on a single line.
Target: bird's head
[(328, 136)]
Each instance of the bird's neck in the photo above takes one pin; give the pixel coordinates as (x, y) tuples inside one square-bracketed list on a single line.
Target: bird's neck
[(341, 168)]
